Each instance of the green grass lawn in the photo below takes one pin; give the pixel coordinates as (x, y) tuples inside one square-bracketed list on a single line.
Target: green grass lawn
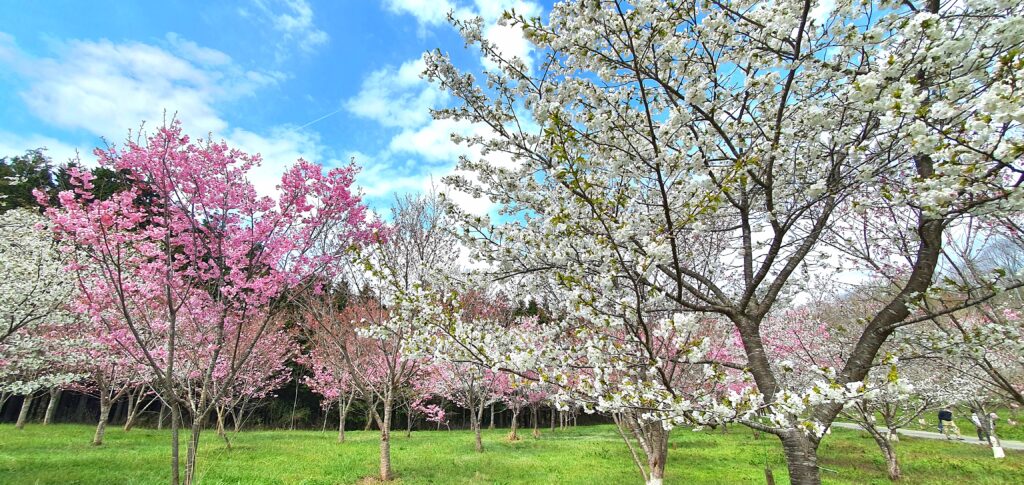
[(584, 455)]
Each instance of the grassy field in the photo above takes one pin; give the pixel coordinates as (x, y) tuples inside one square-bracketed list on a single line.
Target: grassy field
[(584, 455)]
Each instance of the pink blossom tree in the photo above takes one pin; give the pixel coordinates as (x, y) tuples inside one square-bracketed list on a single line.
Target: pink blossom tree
[(263, 373), (470, 387), (190, 250), (330, 376), (112, 368), (416, 245), (373, 366)]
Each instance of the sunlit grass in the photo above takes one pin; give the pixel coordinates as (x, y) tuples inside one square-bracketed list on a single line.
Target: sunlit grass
[(584, 455)]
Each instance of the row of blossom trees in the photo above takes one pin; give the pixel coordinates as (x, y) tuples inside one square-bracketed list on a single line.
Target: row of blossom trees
[(674, 181), (180, 281), (672, 171), (189, 290)]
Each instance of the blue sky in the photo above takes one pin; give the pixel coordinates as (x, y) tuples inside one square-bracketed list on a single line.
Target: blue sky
[(326, 81)]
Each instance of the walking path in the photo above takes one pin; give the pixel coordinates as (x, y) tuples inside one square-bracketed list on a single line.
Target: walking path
[(1007, 444)]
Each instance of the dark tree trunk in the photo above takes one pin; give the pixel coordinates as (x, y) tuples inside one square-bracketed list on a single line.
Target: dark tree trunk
[(801, 459), (534, 419)]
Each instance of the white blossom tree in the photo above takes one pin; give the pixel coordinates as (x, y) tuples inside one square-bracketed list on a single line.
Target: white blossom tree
[(34, 288), (705, 156)]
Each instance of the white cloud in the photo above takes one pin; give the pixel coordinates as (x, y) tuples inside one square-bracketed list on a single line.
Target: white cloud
[(293, 20), (427, 12), (385, 175), (196, 53), (13, 144), (432, 140), (509, 40), (106, 89), (380, 179), (821, 12), (396, 97), (278, 149)]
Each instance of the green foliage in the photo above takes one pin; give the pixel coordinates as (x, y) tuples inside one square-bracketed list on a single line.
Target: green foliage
[(584, 455), (20, 174), (107, 182)]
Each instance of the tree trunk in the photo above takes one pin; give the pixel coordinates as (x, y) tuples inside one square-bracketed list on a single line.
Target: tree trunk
[(192, 449), (237, 417), (51, 407), (175, 444), (656, 466), (385, 442), (161, 416), (513, 432), (370, 409), (801, 459), (135, 408), (101, 426), (295, 402), (534, 418), (553, 412), (993, 440), (23, 415), (130, 417), (490, 425), (892, 464), (475, 418), (342, 413), (220, 426), (408, 420)]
